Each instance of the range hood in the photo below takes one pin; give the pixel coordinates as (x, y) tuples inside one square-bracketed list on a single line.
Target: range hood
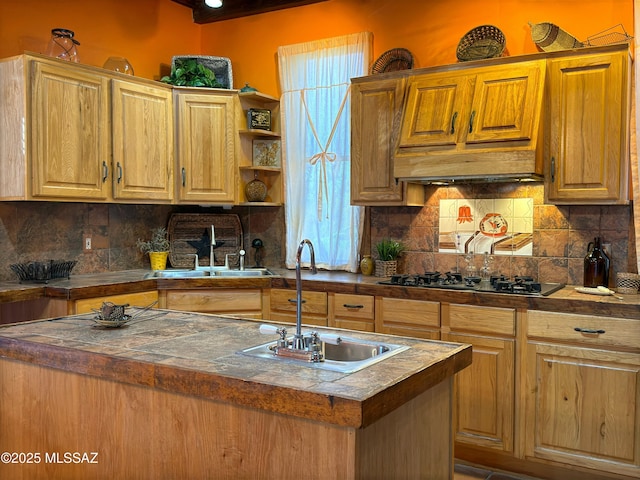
[(441, 168)]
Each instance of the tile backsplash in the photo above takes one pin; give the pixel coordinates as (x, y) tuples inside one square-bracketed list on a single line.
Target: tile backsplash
[(497, 226), (559, 234)]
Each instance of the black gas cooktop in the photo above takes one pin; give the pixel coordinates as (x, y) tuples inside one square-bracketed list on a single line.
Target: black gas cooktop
[(519, 285)]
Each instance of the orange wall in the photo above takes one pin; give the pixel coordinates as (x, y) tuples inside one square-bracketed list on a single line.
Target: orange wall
[(146, 32), (430, 29), (150, 32)]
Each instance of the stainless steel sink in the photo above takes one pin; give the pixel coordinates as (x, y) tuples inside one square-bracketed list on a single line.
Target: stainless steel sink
[(349, 356), (182, 273)]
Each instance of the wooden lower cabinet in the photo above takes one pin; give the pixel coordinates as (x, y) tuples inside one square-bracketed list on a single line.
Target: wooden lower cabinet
[(282, 307), (138, 299), (583, 392), (411, 318), (234, 302), (484, 403), (353, 312)]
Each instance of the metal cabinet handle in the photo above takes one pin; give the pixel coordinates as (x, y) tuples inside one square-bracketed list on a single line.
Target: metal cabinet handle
[(105, 171), (293, 300), (347, 305), (453, 122), (473, 115), (553, 169), (119, 167), (589, 330), (184, 177)]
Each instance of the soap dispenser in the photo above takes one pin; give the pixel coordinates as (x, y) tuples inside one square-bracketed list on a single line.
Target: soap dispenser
[(596, 265)]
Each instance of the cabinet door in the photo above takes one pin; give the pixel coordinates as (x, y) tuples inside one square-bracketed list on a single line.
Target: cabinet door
[(206, 151), (587, 161), (70, 136), (436, 111), (142, 142), (375, 116), (485, 393), (506, 104), (582, 407)]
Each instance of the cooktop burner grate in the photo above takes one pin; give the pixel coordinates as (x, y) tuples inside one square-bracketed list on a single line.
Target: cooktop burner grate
[(518, 285)]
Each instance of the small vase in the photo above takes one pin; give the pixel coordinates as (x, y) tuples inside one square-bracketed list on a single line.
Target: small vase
[(118, 64), (256, 190), (158, 260), (366, 265)]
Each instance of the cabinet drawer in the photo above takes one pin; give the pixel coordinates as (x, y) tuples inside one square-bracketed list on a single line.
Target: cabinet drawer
[(592, 330), (140, 299), (412, 318), (283, 300), (243, 301), (352, 306), (493, 320)]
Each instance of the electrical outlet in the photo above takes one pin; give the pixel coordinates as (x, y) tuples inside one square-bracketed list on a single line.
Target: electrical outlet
[(87, 242)]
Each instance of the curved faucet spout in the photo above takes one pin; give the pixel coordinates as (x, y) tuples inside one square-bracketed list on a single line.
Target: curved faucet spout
[(298, 339)]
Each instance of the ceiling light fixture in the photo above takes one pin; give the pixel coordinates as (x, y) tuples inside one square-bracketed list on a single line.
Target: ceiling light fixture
[(213, 3)]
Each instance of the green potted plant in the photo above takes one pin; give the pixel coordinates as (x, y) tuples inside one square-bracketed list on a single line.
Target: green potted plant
[(189, 73), (158, 248), (388, 253)]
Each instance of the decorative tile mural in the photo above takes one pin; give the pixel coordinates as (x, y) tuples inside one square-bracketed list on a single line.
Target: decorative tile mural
[(498, 226)]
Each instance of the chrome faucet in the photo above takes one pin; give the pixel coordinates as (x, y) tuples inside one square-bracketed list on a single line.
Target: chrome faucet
[(212, 259), (298, 338)]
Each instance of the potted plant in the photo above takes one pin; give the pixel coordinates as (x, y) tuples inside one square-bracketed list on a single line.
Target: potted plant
[(388, 253), (158, 248), (189, 73)]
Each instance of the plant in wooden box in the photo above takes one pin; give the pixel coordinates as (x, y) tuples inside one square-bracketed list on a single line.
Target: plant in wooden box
[(388, 253), (158, 248)]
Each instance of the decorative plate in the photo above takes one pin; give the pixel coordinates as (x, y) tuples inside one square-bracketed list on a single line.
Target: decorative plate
[(493, 225), (112, 323)]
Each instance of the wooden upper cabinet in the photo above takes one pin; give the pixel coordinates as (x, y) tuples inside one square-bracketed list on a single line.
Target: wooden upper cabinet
[(207, 168), (376, 107), (69, 129), (143, 145), (587, 161), (484, 105), (472, 122)]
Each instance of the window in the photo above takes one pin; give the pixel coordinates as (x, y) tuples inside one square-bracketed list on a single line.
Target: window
[(315, 80)]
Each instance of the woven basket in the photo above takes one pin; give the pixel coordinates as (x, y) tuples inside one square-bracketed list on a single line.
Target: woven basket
[(549, 37), (393, 60), (386, 268), (628, 283), (485, 41)]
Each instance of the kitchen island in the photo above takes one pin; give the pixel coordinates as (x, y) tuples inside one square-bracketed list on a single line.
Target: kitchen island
[(169, 396)]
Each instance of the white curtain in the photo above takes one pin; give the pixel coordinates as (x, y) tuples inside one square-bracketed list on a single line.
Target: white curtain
[(316, 127)]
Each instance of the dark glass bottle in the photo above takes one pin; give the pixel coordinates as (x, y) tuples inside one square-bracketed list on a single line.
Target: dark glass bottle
[(596, 265)]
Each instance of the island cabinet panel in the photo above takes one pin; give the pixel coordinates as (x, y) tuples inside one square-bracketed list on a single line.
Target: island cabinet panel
[(314, 310), (376, 108), (124, 431), (583, 392), (88, 305), (207, 167), (587, 157), (484, 411), (413, 318), (231, 302)]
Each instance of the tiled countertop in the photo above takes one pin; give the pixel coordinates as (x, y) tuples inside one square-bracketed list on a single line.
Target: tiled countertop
[(196, 354), (567, 300)]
